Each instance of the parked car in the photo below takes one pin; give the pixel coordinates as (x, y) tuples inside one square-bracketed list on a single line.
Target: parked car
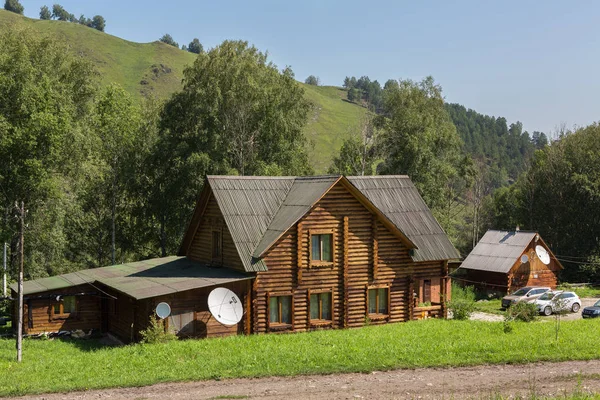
[(591, 312), (527, 293), (552, 302)]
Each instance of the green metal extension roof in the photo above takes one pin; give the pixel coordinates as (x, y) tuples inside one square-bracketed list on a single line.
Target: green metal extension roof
[(142, 279)]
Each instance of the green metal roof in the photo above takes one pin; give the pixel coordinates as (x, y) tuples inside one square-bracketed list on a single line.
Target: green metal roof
[(398, 198), (259, 209), (142, 279), (248, 204)]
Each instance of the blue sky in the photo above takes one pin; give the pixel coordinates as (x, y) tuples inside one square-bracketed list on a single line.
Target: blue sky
[(536, 62)]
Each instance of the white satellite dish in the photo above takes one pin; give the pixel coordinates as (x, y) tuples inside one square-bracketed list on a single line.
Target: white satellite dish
[(163, 310), (225, 306), (524, 259), (542, 254)]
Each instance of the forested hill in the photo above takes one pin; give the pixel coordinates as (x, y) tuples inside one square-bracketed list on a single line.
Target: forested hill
[(157, 69), (505, 148)]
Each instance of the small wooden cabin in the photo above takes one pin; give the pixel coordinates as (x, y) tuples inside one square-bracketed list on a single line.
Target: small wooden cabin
[(302, 253), (505, 261)]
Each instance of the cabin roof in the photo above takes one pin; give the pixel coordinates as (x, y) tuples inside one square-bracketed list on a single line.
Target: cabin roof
[(399, 200), (497, 251), (142, 279), (301, 197), (248, 205), (258, 210)]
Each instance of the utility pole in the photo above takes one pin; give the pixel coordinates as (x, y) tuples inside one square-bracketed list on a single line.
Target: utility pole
[(21, 217)]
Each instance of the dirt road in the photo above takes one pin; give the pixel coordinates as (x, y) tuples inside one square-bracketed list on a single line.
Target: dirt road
[(451, 383)]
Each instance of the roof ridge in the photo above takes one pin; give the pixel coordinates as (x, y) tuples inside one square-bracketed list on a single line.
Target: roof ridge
[(377, 176), (250, 177)]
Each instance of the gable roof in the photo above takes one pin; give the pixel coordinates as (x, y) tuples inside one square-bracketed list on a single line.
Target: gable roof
[(498, 251), (248, 205), (302, 196), (258, 210), (398, 198), (142, 279)]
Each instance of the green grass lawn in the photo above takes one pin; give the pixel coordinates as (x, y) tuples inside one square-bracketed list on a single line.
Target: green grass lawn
[(63, 365), (492, 306)]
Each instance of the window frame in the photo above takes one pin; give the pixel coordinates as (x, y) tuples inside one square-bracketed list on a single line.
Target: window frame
[(62, 314), (319, 232), (378, 315), (218, 258), (280, 325), (321, 321)]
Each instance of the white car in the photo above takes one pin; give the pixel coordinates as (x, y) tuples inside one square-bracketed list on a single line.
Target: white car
[(551, 302)]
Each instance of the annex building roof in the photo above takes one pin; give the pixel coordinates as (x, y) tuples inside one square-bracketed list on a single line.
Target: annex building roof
[(141, 279)]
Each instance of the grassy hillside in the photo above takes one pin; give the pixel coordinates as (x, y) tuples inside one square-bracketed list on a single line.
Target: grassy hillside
[(140, 68), (156, 68), (333, 119)]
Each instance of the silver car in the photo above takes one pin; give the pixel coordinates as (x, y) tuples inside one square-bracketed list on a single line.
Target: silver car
[(527, 294), (552, 302)]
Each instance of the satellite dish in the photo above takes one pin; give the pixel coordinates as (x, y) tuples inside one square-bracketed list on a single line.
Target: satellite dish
[(163, 310), (542, 254), (524, 259), (225, 306)]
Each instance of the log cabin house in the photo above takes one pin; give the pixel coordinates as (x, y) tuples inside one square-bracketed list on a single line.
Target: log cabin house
[(496, 263), (301, 253)]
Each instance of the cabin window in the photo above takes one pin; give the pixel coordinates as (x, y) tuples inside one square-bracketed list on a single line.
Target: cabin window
[(65, 307), (321, 306), (321, 247), (217, 245), (378, 301), (280, 309)]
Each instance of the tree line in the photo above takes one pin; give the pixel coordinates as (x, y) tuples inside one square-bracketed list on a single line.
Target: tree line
[(59, 13), (107, 180), (477, 172)]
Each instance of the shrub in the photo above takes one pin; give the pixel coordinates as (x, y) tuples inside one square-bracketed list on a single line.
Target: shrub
[(522, 311), (155, 332), (463, 292), (461, 308)]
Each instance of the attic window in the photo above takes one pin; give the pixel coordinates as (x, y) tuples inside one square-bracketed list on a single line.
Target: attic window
[(321, 248), (217, 246)]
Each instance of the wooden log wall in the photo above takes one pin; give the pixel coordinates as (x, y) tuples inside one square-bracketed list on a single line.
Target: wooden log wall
[(122, 315), (38, 316), (201, 247), (194, 304), (366, 254), (483, 280), (534, 272)]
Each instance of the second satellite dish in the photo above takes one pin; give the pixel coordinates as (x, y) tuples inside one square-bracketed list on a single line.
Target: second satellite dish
[(225, 306), (163, 310), (524, 259), (542, 254)]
